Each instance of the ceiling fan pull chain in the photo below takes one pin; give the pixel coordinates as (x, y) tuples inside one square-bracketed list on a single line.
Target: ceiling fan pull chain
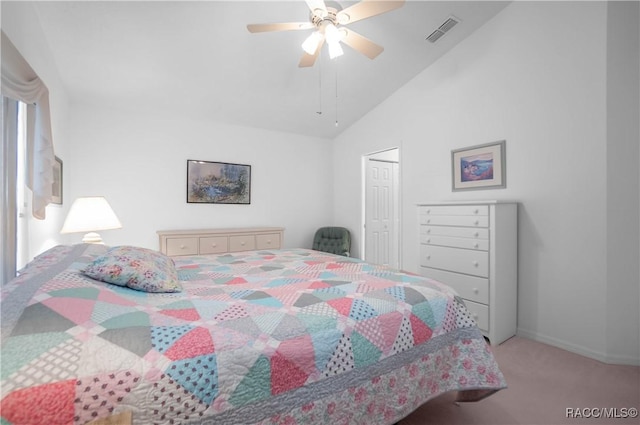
[(319, 111), (336, 65)]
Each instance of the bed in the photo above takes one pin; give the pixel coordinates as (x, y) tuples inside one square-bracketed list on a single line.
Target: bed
[(290, 336)]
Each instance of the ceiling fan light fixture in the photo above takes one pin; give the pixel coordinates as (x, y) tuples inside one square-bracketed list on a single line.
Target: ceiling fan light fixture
[(331, 33), (335, 49), (310, 45)]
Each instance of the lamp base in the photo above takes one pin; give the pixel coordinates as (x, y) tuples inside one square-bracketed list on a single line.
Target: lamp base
[(92, 237)]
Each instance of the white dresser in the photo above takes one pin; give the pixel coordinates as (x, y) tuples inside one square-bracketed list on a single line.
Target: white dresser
[(472, 247), (219, 241)]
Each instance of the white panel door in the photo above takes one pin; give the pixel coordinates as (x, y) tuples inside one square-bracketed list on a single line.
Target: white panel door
[(379, 213)]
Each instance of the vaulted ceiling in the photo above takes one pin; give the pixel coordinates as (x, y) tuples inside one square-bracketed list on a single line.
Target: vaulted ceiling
[(198, 58)]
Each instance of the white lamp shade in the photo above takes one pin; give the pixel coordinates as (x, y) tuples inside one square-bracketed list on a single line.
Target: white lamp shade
[(310, 45), (335, 49), (90, 214)]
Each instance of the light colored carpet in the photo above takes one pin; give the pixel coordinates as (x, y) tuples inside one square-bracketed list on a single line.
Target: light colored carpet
[(543, 382)]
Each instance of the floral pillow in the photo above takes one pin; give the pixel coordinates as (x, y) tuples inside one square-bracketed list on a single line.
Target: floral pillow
[(138, 268)]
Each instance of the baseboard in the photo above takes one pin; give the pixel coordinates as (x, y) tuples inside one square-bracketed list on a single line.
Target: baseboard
[(623, 360), (578, 349)]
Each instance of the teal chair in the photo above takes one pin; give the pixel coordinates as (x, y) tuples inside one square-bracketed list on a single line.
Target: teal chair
[(335, 240)]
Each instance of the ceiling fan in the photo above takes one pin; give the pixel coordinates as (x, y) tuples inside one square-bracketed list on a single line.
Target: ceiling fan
[(329, 24)]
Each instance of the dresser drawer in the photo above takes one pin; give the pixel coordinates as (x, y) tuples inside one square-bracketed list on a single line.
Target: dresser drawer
[(455, 220), (214, 245), (182, 246), (469, 287), (466, 261), (456, 232), (431, 210), (242, 243), (466, 243), (269, 241), (479, 313)]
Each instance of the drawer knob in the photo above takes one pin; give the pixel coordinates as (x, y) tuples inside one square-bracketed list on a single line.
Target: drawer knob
[(475, 245), (475, 290), (429, 240), (475, 317), (476, 234), (476, 211), (476, 222), (243, 243), (428, 211), (428, 220), (214, 245), (269, 242), (182, 247), (475, 264), (428, 231), (428, 257)]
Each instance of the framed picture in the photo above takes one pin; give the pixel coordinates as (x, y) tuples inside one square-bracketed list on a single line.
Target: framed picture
[(479, 167), (56, 190), (218, 183)]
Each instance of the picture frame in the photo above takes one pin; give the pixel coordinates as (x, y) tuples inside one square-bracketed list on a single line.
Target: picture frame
[(479, 167), (210, 182), (56, 189)]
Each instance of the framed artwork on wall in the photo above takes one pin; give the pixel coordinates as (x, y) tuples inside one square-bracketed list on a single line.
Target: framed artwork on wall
[(56, 190), (218, 183), (479, 167)]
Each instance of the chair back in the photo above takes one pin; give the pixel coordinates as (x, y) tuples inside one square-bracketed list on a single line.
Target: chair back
[(335, 240)]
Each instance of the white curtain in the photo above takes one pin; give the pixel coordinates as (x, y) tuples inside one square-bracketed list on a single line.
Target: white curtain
[(20, 82)]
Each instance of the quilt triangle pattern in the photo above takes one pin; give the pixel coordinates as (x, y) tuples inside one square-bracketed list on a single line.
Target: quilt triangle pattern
[(41, 319), (198, 375), (255, 385), (196, 342), (342, 359)]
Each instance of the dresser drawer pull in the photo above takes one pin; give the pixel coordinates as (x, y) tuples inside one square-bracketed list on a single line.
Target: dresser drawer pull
[(476, 291), (213, 245), (428, 231), (243, 243), (475, 264), (476, 211), (476, 245), (182, 247), (476, 222), (475, 317), (269, 242), (428, 257), (429, 240), (476, 234)]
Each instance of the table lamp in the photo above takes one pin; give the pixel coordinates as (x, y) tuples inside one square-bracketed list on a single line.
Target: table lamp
[(90, 214)]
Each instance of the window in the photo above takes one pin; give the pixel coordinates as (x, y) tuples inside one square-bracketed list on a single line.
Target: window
[(23, 193), (14, 234)]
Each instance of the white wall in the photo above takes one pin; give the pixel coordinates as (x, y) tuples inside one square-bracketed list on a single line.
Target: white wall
[(535, 75), (623, 135), (21, 25), (137, 160)]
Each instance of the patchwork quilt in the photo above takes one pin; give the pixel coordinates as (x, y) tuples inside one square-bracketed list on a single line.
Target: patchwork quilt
[(260, 337)]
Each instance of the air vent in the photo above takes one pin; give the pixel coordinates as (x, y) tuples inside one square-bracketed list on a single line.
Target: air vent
[(451, 22)]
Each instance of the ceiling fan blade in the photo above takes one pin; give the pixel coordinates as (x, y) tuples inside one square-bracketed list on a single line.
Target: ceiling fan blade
[(361, 44), (288, 26), (308, 60), (366, 9), (316, 5)]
